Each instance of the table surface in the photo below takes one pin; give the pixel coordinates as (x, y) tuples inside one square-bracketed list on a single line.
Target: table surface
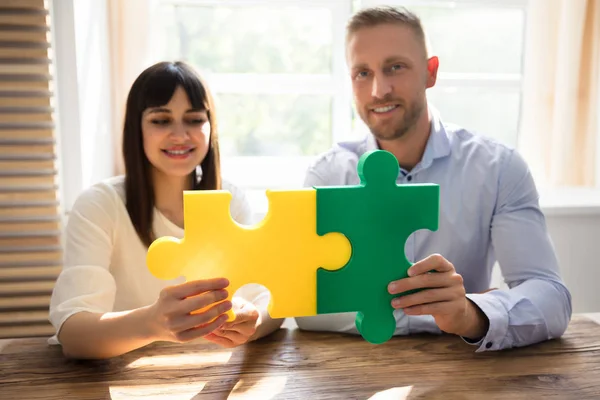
[(292, 364)]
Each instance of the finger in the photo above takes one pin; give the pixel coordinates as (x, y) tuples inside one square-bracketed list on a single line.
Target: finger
[(203, 300), (428, 296), (247, 329), (440, 308), (221, 341), (233, 336), (244, 316), (429, 281), (196, 287), (434, 262), (201, 330), (189, 321)]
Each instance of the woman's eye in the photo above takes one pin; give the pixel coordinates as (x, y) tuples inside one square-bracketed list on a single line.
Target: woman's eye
[(196, 122), (160, 121)]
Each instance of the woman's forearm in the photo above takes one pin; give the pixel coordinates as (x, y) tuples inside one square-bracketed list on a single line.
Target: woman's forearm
[(267, 327), (96, 336), (267, 324)]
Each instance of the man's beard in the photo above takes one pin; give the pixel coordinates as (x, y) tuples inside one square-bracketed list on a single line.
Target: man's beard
[(409, 119)]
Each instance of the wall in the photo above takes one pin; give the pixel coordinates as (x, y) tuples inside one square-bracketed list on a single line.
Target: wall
[(575, 239)]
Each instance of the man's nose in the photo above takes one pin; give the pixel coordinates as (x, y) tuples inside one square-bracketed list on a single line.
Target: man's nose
[(381, 87)]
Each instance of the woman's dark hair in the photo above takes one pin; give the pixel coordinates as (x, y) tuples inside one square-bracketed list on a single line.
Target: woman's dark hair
[(154, 88)]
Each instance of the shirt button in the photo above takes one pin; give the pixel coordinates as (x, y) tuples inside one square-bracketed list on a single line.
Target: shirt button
[(409, 178), (488, 345)]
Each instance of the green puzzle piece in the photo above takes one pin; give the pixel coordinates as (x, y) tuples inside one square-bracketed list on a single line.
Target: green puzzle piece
[(377, 217)]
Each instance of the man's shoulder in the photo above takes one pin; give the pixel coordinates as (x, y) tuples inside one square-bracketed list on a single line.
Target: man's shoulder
[(335, 165), (342, 152), (475, 140), (469, 145)]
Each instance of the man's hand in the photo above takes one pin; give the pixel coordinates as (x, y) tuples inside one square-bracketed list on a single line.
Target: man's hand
[(239, 331), (443, 297)]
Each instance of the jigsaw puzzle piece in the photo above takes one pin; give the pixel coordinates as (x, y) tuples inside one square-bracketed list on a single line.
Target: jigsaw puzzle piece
[(377, 216), (282, 252)]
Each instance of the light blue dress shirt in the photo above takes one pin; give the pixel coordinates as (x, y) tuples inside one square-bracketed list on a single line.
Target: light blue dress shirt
[(489, 212)]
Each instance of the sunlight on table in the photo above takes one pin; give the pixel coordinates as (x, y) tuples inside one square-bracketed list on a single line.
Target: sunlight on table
[(163, 391), (266, 388), (180, 360), (397, 393)]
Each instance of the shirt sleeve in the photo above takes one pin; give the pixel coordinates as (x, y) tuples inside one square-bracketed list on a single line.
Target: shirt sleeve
[(85, 282), (537, 306)]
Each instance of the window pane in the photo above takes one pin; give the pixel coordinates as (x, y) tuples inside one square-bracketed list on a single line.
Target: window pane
[(273, 125), (477, 39), (488, 112), (257, 39)]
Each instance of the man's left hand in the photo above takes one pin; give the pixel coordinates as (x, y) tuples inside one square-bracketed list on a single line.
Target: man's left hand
[(240, 330), (443, 297)]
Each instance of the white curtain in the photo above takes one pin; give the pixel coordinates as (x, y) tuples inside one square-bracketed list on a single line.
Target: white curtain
[(559, 122), (129, 27)]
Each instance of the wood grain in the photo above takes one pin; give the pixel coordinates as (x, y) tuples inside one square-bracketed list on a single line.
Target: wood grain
[(292, 364)]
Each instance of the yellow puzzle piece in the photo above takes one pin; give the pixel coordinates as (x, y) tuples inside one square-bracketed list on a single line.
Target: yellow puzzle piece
[(282, 252)]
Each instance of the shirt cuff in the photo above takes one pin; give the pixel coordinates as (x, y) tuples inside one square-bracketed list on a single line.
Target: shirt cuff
[(497, 315)]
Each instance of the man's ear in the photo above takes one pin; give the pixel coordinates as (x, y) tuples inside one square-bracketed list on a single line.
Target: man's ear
[(432, 69)]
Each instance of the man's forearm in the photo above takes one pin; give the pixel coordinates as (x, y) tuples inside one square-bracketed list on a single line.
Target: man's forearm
[(533, 311)]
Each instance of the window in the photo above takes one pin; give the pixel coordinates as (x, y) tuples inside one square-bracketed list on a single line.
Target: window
[(283, 95), (480, 44), (278, 74)]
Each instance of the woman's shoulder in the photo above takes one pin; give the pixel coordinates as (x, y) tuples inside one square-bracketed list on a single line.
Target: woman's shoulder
[(236, 190), (105, 197), (240, 209)]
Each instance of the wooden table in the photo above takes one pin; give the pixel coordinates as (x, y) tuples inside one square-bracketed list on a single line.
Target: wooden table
[(292, 364)]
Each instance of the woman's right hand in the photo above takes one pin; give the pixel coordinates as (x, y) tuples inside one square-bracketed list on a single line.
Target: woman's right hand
[(171, 315)]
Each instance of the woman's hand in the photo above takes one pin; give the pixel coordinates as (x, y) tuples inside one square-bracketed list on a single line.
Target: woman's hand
[(171, 315), (242, 329)]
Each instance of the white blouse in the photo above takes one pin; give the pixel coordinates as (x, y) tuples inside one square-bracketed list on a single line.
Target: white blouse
[(105, 261)]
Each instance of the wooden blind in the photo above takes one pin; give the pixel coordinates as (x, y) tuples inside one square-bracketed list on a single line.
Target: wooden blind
[(30, 246)]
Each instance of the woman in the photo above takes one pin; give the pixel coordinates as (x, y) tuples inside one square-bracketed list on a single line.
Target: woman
[(105, 301)]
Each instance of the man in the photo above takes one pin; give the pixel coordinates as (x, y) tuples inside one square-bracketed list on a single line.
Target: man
[(489, 207)]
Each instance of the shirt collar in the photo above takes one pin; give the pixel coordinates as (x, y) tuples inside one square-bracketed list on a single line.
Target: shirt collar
[(438, 144)]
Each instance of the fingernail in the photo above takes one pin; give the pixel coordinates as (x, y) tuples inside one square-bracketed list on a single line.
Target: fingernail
[(410, 272), (392, 288)]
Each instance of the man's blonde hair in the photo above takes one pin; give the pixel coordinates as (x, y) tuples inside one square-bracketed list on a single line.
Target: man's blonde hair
[(373, 16)]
